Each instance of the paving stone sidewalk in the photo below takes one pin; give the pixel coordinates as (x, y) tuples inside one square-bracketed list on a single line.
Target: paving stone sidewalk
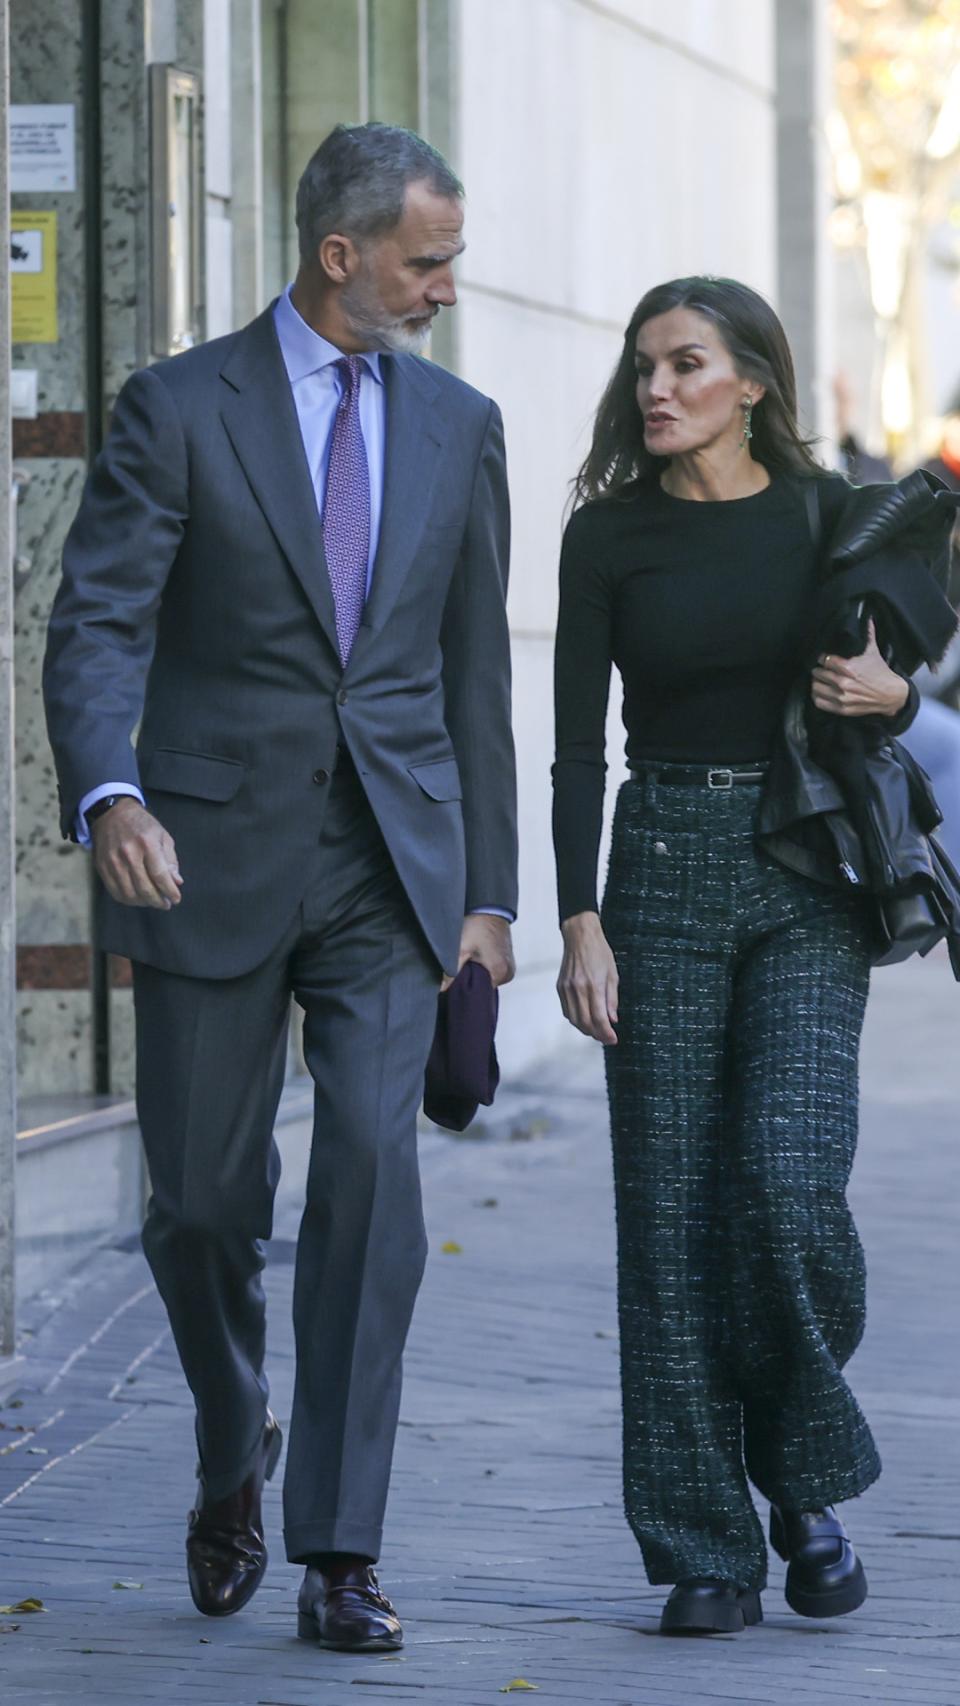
[(507, 1551)]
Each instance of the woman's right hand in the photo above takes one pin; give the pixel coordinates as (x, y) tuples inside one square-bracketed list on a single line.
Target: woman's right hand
[(588, 985)]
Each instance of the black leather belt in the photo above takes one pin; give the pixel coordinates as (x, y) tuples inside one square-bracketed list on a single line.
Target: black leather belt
[(718, 777)]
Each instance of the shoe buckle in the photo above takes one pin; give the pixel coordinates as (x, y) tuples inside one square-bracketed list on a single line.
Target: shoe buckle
[(720, 779)]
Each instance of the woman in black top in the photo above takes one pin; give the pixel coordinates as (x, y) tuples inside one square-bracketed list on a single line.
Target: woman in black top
[(729, 991)]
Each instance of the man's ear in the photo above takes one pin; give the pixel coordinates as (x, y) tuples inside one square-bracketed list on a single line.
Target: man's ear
[(339, 258)]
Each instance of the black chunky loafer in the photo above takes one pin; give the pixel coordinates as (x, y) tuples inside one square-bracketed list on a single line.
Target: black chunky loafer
[(704, 1605), (825, 1578)]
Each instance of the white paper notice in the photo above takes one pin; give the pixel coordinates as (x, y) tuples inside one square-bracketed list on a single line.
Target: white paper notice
[(43, 149)]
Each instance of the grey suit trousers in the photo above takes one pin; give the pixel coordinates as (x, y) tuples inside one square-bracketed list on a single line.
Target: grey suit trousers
[(210, 1068)]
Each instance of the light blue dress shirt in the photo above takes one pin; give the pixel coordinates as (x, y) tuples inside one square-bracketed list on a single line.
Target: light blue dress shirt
[(310, 362)]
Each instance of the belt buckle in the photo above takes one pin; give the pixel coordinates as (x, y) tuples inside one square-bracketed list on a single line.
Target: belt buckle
[(720, 779)]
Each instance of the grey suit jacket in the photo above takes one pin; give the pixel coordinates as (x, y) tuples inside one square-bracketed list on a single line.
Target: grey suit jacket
[(196, 601)]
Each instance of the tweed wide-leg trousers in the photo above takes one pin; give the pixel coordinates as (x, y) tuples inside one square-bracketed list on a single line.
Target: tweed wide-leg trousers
[(733, 1098)]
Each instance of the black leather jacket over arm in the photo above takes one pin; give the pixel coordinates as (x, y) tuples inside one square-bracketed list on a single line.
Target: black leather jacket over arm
[(887, 556)]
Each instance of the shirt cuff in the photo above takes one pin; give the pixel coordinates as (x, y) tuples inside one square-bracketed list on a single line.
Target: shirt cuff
[(492, 912), (80, 826)]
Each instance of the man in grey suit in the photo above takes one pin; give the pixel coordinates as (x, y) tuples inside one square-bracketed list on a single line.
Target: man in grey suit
[(289, 566)]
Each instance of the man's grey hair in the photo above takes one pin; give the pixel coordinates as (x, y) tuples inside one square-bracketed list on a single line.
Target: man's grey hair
[(356, 182)]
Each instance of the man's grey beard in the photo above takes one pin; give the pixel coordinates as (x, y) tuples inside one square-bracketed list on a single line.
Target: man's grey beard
[(369, 323)]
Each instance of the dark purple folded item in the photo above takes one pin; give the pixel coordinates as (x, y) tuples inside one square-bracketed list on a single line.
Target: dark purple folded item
[(462, 1070)]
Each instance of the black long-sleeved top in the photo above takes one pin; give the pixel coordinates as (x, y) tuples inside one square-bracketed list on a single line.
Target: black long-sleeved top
[(702, 608)]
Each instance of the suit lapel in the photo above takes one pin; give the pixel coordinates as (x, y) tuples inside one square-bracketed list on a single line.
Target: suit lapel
[(260, 417), (413, 444)]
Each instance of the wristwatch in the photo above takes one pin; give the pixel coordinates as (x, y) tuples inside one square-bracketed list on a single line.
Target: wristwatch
[(100, 806)]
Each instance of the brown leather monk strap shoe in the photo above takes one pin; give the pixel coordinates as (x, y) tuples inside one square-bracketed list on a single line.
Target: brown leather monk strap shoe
[(226, 1554), (342, 1608)]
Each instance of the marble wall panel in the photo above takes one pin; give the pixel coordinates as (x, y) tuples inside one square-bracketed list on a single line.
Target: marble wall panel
[(8, 1119), (46, 66), (122, 1043), (52, 881), (53, 1037), (125, 246), (54, 1042)]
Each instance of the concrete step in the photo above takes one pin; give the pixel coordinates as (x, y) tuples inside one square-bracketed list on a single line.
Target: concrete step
[(81, 1179)]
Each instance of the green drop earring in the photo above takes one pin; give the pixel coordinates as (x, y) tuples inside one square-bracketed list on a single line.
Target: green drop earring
[(747, 422)]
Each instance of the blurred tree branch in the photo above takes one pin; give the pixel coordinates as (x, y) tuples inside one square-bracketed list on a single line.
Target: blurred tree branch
[(895, 140)]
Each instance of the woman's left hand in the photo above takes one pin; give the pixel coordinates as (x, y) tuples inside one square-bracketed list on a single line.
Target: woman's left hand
[(865, 686)]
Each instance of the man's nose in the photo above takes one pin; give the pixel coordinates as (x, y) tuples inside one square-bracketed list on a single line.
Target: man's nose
[(442, 292)]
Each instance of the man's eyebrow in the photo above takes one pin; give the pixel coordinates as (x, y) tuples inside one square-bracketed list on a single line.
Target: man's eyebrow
[(681, 349), (435, 260)]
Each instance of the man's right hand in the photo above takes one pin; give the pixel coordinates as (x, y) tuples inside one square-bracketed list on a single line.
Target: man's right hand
[(135, 857)]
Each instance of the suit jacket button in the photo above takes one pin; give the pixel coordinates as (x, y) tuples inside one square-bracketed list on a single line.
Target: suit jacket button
[(321, 776), (342, 696)]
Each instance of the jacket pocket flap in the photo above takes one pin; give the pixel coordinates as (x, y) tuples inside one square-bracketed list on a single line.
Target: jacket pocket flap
[(439, 780), (195, 773)]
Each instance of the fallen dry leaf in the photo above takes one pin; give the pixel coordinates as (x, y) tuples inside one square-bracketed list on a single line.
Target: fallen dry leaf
[(451, 1248), (9, 1628), (129, 1586), (22, 1605), (520, 1685)]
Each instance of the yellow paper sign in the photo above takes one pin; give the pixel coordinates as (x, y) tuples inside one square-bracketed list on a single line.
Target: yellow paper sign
[(33, 277)]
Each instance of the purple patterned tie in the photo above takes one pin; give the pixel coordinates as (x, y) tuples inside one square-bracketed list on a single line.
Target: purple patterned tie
[(346, 509)]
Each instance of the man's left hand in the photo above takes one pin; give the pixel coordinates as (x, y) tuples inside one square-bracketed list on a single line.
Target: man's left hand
[(859, 687), (486, 939)]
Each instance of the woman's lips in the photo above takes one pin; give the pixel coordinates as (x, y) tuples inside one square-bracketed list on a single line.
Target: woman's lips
[(654, 422)]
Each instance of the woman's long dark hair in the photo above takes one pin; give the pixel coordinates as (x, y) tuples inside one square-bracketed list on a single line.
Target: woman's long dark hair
[(758, 346)]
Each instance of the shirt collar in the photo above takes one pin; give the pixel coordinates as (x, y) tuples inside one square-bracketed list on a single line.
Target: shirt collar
[(304, 350)]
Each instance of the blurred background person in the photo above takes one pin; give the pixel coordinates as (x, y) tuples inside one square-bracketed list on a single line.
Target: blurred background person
[(946, 463)]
